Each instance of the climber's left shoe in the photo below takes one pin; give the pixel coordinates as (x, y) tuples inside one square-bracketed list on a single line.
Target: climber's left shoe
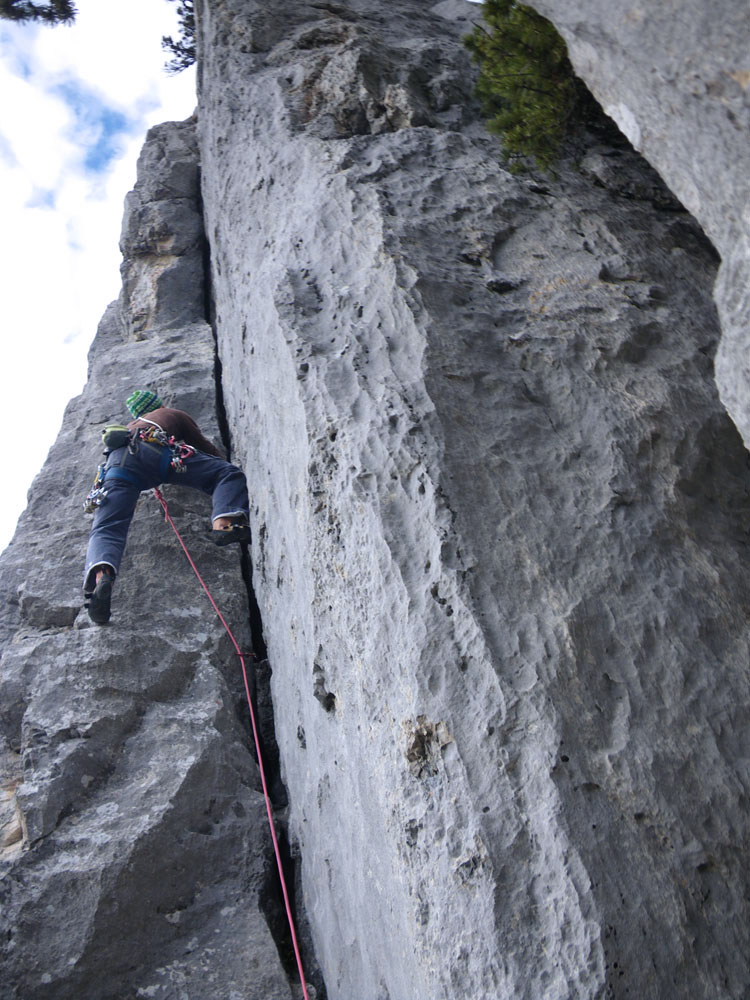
[(98, 603)]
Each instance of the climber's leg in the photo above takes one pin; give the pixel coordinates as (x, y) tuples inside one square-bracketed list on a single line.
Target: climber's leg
[(228, 489), (109, 531)]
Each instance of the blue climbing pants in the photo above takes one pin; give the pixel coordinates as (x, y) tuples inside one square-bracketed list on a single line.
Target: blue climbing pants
[(127, 474)]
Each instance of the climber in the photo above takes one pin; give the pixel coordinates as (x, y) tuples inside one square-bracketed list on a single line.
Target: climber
[(160, 445)]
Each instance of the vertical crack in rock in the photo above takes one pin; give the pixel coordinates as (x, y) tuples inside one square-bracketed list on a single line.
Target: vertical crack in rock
[(210, 317), (272, 902), (271, 899)]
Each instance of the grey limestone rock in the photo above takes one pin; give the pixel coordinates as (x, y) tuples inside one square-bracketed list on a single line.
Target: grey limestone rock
[(162, 241), (135, 859), (500, 519), (676, 79), (500, 522)]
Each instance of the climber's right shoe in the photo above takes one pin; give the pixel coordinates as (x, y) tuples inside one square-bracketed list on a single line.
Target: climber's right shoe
[(225, 536), (98, 603)]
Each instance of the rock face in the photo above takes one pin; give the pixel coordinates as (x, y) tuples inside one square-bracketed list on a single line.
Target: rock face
[(500, 523), (126, 767), (676, 79), (499, 518)]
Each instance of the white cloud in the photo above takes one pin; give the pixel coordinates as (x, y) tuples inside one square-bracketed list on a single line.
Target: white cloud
[(77, 102)]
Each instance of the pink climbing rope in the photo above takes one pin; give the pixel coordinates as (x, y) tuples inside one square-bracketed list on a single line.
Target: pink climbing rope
[(167, 517)]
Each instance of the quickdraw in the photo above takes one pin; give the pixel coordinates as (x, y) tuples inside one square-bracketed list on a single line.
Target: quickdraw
[(180, 451), (96, 494), (153, 435)]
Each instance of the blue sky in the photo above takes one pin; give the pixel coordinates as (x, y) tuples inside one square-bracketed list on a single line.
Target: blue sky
[(97, 129), (76, 104)]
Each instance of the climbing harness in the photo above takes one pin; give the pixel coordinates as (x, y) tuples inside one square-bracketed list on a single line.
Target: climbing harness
[(168, 518), (116, 436), (178, 450)]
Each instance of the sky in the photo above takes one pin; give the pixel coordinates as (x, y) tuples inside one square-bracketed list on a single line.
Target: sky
[(75, 105)]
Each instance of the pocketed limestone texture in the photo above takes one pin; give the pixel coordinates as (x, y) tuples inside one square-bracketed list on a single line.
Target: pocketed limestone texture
[(500, 522), (676, 79)]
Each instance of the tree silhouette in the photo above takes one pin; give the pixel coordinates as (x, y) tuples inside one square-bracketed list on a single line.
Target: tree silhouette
[(183, 50), (64, 12), (53, 12)]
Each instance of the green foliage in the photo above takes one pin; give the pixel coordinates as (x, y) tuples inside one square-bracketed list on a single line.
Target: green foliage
[(183, 50), (526, 83), (53, 12)]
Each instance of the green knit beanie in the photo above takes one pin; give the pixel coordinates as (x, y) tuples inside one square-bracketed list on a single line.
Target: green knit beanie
[(142, 401)]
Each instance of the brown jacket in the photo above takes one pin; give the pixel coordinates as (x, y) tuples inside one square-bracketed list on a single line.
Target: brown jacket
[(177, 424)]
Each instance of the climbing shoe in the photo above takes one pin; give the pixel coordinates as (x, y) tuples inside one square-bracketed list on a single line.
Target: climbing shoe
[(97, 604), (225, 536)]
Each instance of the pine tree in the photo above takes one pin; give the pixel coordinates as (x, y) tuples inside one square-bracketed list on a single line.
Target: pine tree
[(526, 82), (183, 50), (52, 12)]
